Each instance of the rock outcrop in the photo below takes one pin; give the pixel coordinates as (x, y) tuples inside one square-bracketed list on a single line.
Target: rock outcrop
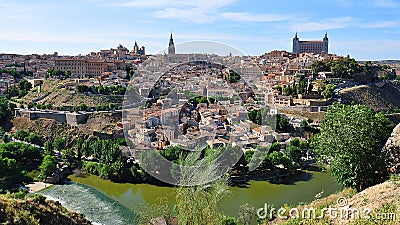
[(392, 150)]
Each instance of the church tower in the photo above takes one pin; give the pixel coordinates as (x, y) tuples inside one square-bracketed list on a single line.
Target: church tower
[(296, 44), (325, 42), (171, 46), (135, 48)]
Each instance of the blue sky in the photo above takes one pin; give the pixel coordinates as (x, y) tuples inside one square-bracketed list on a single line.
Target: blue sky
[(364, 29)]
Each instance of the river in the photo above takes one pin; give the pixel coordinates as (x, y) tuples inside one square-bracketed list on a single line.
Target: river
[(117, 202)]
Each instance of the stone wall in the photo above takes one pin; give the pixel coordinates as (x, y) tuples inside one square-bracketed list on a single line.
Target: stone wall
[(72, 119)]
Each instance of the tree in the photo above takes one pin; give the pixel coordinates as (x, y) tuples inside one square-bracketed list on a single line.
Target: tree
[(351, 140), (48, 166), (328, 92), (21, 134), (5, 111), (83, 107), (248, 155), (7, 166), (294, 153), (282, 123), (246, 214), (111, 106), (275, 147), (58, 144), (34, 139)]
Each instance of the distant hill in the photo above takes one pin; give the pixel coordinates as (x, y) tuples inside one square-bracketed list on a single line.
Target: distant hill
[(386, 98), (37, 210)]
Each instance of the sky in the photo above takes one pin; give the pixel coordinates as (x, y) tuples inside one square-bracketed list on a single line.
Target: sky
[(363, 29)]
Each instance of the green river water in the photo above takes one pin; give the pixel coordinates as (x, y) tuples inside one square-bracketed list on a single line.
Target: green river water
[(105, 202)]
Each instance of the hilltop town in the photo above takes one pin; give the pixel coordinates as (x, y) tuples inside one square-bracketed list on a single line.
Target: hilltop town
[(97, 113)]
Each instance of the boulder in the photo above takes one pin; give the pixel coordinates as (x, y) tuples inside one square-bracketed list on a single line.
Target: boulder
[(392, 150)]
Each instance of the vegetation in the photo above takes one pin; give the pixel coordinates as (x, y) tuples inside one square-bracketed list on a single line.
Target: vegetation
[(6, 111), (19, 90), (16, 74), (18, 163), (58, 73), (36, 210), (297, 88), (32, 138), (351, 140), (277, 122), (348, 67), (328, 92), (233, 77), (104, 90), (341, 68), (48, 166)]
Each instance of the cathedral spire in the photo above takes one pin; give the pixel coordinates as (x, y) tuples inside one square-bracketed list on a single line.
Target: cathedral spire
[(171, 46), (171, 40)]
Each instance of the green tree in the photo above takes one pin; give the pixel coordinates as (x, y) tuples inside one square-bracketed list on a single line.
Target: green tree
[(48, 166), (7, 167), (83, 107), (21, 134), (351, 139), (34, 139), (293, 153), (59, 144), (111, 106), (328, 92), (5, 111)]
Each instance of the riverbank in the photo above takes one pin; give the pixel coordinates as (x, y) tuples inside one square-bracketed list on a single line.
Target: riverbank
[(260, 176), (37, 186)]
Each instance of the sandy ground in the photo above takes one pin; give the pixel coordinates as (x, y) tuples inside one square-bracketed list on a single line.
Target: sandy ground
[(37, 186)]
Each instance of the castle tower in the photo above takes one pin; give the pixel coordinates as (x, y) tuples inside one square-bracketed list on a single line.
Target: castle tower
[(325, 43), (171, 46)]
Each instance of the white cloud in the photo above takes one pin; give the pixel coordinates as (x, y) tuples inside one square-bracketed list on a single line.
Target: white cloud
[(198, 11), (205, 4), (328, 24), (380, 24), (190, 15), (386, 3), (251, 17)]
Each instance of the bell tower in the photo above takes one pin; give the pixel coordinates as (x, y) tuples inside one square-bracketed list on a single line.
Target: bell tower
[(325, 42), (171, 46), (296, 44)]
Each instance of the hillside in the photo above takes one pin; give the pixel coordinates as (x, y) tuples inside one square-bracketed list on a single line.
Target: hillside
[(37, 210), (102, 122), (384, 98), (383, 200), (58, 93)]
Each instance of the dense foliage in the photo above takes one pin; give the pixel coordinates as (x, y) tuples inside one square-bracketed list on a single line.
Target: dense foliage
[(351, 140), (58, 73), (17, 161), (277, 122), (341, 68), (48, 166), (19, 90), (6, 111), (348, 67), (104, 90), (233, 77), (16, 74)]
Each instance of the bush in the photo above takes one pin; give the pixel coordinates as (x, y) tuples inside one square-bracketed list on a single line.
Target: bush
[(92, 167)]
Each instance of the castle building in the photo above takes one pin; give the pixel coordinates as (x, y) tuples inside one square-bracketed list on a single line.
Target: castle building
[(171, 46), (316, 47), (138, 50)]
